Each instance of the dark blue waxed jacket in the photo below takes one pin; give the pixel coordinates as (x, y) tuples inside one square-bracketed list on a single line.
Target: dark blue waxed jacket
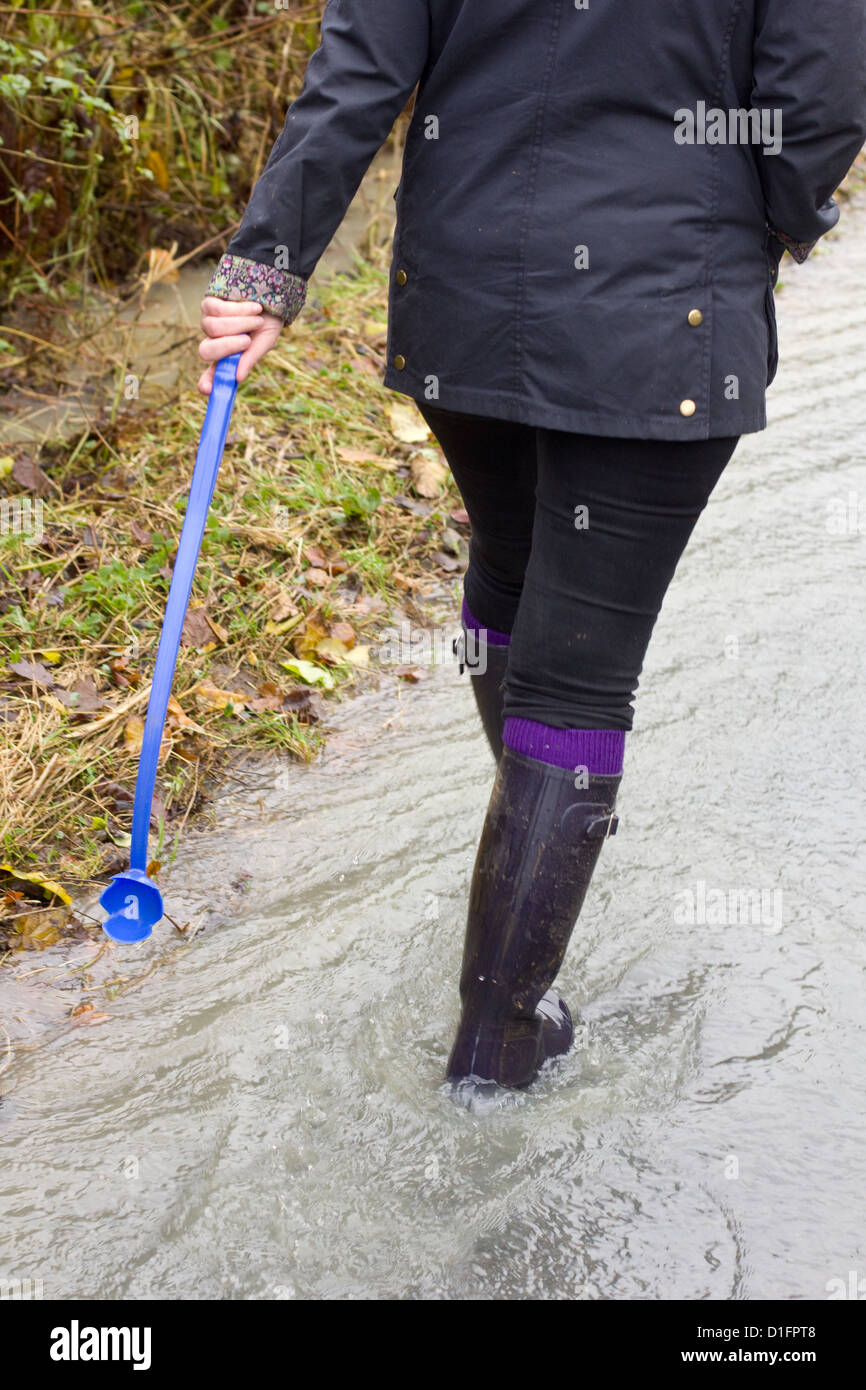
[(594, 199)]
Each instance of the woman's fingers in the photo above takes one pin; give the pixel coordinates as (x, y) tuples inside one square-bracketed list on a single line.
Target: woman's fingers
[(215, 349), (228, 308), (219, 326), (261, 343), (234, 326), (205, 381)]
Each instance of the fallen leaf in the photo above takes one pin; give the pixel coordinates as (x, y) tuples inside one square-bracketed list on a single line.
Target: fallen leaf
[(123, 673), (81, 697), (307, 640), (156, 165), (367, 456), (282, 608), (30, 477), (306, 671), (218, 630), (407, 424), (40, 929), (133, 733), (344, 632), (446, 562), (197, 630), (215, 699), (300, 702), (358, 656), (314, 556), (408, 504), (51, 655), (139, 533), (414, 674), (317, 577), (262, 704), (33, 885), (331, 650), (427, 472), (179, 718), (33, 671), (460, 517)]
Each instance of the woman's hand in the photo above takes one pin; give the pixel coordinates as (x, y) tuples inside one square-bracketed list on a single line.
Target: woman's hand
[(234, 326)]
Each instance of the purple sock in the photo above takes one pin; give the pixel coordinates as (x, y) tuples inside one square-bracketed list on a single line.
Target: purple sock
[(600, 751), (471, 623)]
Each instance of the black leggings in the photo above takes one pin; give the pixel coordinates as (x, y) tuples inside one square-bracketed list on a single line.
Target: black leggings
[(575, 539)]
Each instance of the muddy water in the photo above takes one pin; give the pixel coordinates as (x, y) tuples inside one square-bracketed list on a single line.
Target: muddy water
[(265, 1118)]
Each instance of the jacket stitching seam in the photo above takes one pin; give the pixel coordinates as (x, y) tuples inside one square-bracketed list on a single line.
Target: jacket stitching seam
[(540, 114)]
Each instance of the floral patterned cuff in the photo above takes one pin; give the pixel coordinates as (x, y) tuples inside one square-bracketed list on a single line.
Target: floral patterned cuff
[(798, 249), (279, 291)]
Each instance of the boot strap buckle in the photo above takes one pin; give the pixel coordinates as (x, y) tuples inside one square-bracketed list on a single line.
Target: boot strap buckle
[(602, 827)]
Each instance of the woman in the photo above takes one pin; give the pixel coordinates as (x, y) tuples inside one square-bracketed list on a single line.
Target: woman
[(593, 206)]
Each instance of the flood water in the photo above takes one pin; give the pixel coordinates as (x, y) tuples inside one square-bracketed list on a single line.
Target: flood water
[(265, 1117)]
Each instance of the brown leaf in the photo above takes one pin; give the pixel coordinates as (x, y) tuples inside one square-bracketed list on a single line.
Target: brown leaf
[(344, 632), (282, 608), (179, 719), (140, 533), (40, 929), (460, 517), (81, 697), (414, 674), (300, 702), (367, 456), (428, 473), (317, 577), (30, 477), (124, 675), (196, 629), (446, 562), (133, 733), (314, 556), (33, 671), (215, 699), (259, 704), (217, 629)]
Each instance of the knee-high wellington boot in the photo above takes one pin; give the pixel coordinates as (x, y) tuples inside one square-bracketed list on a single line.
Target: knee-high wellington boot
[(539, 846)]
